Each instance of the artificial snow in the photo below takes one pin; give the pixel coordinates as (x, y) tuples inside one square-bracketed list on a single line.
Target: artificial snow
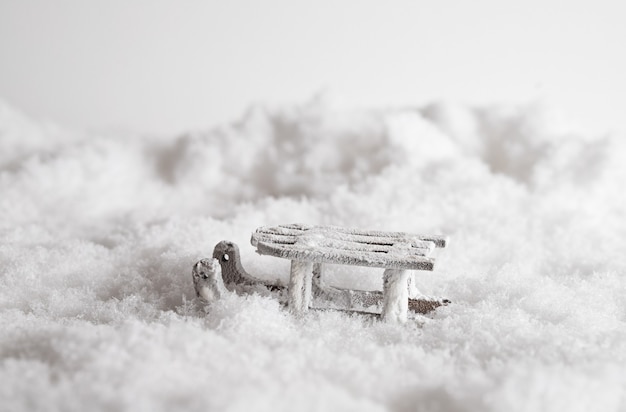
[(99, 234)]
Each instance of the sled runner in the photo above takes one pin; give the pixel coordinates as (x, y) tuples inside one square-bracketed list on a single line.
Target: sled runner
[(310, 247)]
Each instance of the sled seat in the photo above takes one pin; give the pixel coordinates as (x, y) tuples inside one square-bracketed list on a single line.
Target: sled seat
[(308, 246)]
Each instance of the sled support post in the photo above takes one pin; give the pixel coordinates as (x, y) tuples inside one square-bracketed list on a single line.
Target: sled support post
[(395, 295), (300, 286)]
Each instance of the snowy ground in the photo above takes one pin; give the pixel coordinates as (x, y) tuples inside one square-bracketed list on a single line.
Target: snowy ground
[(98, 235)]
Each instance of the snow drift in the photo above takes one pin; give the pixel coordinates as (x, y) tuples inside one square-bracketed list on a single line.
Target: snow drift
[(99, 234)]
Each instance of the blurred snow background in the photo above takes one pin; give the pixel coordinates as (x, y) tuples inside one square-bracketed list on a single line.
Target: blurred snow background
[(99, 228)]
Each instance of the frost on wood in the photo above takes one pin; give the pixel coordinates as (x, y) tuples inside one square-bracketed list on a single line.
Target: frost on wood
[(395, 296), (309, 247), (331, 244), (300, 286)]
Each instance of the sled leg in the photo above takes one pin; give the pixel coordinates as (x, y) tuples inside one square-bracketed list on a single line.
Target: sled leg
[(318, 272), (395, 296), (300, 286)]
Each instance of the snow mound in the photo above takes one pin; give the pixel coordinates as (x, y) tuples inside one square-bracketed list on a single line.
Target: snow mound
[(99, 233)]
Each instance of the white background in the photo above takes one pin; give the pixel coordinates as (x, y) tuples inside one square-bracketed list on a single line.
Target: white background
[(168, 66)]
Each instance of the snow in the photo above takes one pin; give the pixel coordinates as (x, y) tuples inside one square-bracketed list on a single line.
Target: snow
[(99, 234)]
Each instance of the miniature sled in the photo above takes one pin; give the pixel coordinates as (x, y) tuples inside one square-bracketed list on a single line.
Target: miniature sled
[(310, 247)]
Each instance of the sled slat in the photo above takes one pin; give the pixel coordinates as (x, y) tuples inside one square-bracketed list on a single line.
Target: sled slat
[(348, 242), (357, 235)]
